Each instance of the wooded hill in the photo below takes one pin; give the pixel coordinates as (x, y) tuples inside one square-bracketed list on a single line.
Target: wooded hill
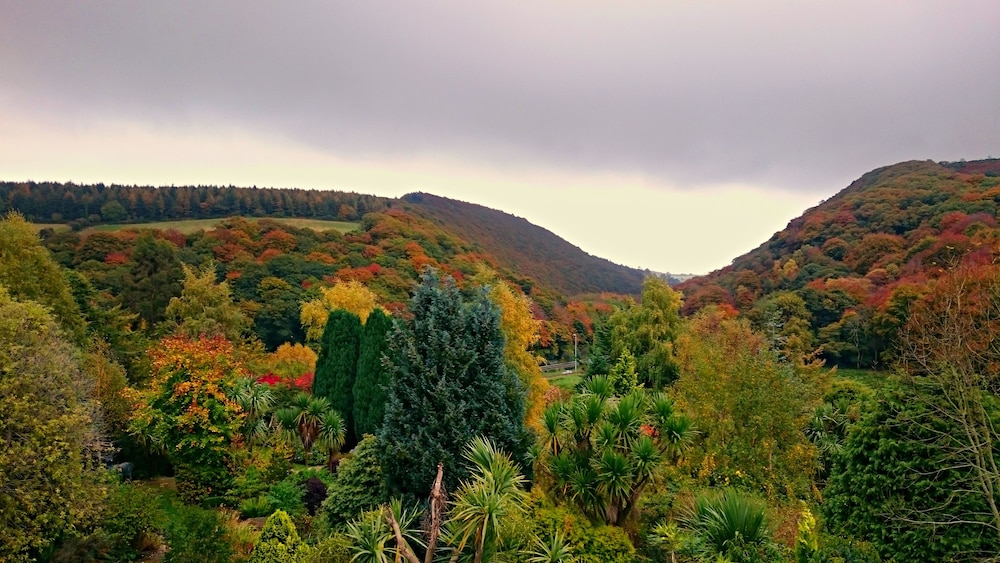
[(528, 249), (530, 254), (841, 277)]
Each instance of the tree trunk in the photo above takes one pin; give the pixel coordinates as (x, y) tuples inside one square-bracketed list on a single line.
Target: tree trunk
[(437, 508)]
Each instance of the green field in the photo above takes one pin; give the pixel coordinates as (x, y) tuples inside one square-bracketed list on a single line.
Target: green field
[(191, 225), (54, 226)]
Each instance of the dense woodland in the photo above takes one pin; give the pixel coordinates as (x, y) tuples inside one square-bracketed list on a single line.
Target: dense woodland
[(261, 392)]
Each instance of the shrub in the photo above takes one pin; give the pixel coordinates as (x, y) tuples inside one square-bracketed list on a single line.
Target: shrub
[(358, 485), (197, 535), (279, 542), (315, 495), (131, 518), (287, 496), (255, 507), (730, 525)]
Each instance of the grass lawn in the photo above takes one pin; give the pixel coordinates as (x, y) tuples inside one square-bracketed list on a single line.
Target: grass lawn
[(189, 226), (567, 382)]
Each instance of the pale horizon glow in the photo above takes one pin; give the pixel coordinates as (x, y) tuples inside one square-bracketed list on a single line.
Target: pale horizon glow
[(643, 224)]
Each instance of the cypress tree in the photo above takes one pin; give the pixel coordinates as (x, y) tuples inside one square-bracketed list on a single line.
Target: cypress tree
[(372, 379), (449, 384), (337, 364)]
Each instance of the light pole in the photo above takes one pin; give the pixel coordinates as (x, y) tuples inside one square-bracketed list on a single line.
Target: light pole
[(575, 366)]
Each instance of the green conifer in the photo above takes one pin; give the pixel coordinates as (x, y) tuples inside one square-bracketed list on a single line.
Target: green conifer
[(449, 384), (337, 365), (373, 378)]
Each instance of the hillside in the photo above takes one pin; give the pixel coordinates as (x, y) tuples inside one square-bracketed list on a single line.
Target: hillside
[(535, 255), (528, 249), (841, 276)]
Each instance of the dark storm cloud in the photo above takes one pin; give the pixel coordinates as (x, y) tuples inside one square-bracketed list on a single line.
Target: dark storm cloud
[(792, 94)]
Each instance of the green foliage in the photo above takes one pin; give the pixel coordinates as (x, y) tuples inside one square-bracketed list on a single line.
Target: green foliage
[(197, 535), (493, 493), (372, 377), (602, 451), (749, 406), (49, 444), (337, 365), (449, 384), (256, 506), (279, 542), (623, 376), (131, 516), (731, 525), (29, 274), (895, 483), (205, 308), (287, 496), (153, 280), (648, 331), (358, 485), (335, 548), (584, 541)]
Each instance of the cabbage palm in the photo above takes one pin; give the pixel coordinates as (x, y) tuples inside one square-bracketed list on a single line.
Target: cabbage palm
[(495, 490), (304, 419), (331, 436), (256, 400), (620, 443)]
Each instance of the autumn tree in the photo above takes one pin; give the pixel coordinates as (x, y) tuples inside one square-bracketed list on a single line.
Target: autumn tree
[(50, 447), (205, 308), (449, 383), (750, 407), (648, 330), (952, 344), (372, 376), (189, 412), (292, 360), (337, 365), (521, 332), (349, 296)]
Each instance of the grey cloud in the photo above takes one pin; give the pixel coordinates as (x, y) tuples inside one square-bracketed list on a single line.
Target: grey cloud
[(800, 95)]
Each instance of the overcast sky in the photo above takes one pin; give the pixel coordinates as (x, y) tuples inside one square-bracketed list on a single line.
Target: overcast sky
[(670, 135)]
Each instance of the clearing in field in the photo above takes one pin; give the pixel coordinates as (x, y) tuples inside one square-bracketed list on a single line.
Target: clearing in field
[(189, 226)]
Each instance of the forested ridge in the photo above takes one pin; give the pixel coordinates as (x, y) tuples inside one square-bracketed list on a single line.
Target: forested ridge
[(841, 277), (528, 249), (261, 392)]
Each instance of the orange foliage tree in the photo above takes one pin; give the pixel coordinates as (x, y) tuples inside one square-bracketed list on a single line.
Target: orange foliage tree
[(188, 411)]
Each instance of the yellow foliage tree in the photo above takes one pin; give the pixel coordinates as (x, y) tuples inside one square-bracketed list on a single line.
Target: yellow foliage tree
[(521, 331), (292, 360), (348, 295)]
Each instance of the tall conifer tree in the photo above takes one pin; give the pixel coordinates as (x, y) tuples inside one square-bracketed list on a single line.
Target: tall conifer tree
[(448, 385), (373, 378), (337, 365)]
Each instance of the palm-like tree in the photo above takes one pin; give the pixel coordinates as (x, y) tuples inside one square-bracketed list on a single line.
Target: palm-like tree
[(618, 446), (495, 490), (304, 419), (256, 400), (331, 435)]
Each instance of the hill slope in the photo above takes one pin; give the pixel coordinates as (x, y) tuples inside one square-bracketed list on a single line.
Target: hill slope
[(527, 249), (846, 269)]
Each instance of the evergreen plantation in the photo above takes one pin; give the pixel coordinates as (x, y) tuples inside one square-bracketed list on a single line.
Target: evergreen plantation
[(256, 391)]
